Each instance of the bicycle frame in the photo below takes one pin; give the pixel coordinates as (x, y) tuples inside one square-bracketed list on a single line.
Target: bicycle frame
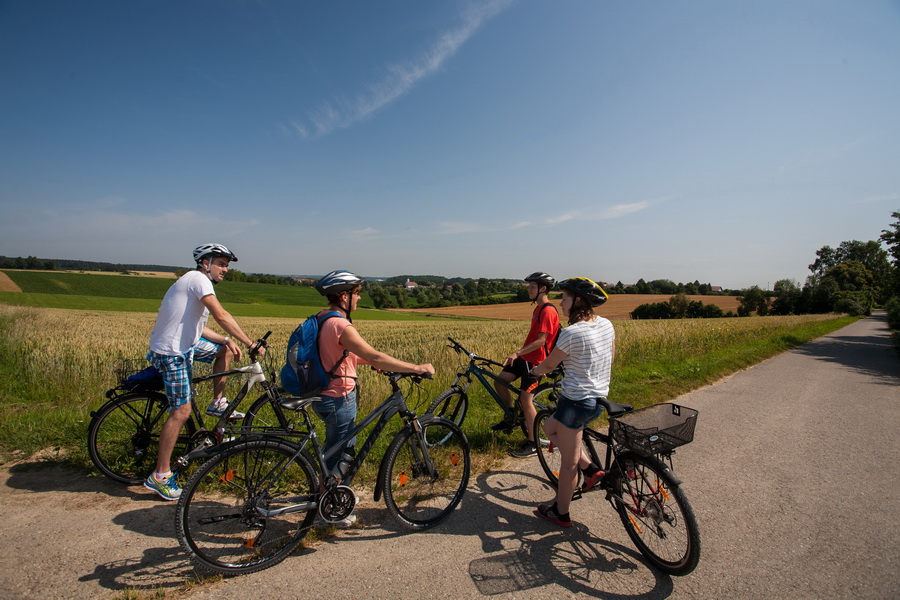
[(482, 374), (393, 405)]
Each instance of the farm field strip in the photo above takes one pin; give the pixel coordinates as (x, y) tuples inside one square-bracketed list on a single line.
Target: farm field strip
[(617, 308)]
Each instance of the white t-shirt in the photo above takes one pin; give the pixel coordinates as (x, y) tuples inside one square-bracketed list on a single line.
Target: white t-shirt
[(588, 364), (182, 316)]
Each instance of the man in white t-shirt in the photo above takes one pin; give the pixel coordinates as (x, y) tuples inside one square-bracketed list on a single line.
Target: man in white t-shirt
[(180, 337)]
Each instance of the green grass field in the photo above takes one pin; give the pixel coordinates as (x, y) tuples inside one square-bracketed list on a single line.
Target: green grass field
[(130, 293)]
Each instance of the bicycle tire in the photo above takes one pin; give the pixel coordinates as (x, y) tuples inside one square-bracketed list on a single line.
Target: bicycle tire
[(549, 455), (656, 514), (451, 404), (544, 396), (413, 496), (268, 414), (123, 436), (217, 523)]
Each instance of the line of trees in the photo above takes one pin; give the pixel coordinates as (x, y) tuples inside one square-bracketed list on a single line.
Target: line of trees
[(679, 306), (666, 286), (31, 263), (852, 278), (427, 294)]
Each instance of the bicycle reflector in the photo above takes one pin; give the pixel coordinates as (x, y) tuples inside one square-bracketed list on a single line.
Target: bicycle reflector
[(402, 479), (227, 476)]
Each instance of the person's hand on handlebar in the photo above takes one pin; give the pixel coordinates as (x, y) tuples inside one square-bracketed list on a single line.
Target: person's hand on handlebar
[(426, 370)]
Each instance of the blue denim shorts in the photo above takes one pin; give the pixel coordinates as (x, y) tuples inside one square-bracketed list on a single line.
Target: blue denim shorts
[(575, 415), (177, 370)]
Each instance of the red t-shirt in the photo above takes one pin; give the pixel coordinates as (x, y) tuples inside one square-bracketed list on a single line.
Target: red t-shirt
[(543, 320)]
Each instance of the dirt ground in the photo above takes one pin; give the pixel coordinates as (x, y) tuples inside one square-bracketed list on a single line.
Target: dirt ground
[(617, 308), (7, 284)]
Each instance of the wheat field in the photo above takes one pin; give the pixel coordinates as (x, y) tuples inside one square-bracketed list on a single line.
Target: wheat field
[(79, 350)]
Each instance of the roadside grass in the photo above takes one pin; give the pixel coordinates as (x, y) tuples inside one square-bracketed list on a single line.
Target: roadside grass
[(55, 365)]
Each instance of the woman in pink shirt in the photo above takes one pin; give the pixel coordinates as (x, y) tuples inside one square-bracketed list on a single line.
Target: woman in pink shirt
[(339, 339)]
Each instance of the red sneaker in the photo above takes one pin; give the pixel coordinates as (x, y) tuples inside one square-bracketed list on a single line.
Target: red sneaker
[(591, 480), (547, 511)]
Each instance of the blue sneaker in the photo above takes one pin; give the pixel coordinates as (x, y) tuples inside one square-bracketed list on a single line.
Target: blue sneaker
[(167, 488)]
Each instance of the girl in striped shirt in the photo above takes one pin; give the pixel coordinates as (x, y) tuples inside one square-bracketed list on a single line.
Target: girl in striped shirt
[(586, 348)]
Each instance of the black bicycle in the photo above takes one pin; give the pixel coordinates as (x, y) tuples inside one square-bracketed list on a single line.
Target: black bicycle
[(453, 403), (123, 434), (639, 479), (252, 503)]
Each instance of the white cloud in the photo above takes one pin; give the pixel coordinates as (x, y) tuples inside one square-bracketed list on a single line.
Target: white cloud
[(400, 78), (457, 227), (604, 213)]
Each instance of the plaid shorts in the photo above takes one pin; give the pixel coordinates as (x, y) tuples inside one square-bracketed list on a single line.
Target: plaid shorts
[(177, 370)]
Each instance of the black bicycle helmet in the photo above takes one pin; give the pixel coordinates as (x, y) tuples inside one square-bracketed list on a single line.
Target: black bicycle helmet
[(338, 281), (587, 289), (542, 278), (204, 250)]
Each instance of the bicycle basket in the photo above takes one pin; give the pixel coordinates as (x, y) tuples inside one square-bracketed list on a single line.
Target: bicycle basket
[(655, 429), (136, 374)]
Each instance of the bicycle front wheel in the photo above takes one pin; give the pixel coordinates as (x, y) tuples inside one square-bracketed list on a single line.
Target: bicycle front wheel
[(451, 404), (656, 514), (426, 472), (123, 436), (248, 507)]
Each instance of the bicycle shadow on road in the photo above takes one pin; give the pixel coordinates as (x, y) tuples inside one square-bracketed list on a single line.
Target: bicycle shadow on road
[(525, 552)]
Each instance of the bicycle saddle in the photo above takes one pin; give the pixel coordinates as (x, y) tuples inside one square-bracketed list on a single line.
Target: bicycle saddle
[(297, 403), (614, 409)]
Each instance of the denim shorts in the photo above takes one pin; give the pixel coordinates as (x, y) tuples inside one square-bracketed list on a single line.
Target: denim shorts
[(177, 370), (576, 414)]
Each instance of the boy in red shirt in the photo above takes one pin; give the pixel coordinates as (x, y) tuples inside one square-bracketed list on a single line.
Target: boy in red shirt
[(538, 344)]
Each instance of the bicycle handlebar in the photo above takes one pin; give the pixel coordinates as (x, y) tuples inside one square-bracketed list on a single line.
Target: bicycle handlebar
[(458, 348), (260, 343)]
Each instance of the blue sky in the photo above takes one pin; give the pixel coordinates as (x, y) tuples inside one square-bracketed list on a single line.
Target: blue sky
[(723, 142)]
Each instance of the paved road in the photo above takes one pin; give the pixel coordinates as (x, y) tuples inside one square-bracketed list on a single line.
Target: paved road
[(792, 477)]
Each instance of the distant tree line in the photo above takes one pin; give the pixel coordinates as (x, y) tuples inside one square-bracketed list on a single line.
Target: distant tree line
[(852, 278), (665, 286), (679, 306), (431, 292), (31, 263)]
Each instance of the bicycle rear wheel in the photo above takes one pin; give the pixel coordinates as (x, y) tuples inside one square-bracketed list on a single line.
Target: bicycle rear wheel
[(425, 477), (656, 514), (451, 404), (248, 507), (123, 436), (264, 413)]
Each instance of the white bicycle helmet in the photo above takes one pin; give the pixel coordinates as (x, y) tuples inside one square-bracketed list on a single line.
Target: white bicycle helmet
[(338, 281), (204, 250)]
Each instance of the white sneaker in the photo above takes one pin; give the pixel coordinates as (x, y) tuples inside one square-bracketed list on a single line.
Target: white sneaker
[(320, 523), (217, 407)]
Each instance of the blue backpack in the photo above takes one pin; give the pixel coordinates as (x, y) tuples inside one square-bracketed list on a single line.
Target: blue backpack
[(304, 375)]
